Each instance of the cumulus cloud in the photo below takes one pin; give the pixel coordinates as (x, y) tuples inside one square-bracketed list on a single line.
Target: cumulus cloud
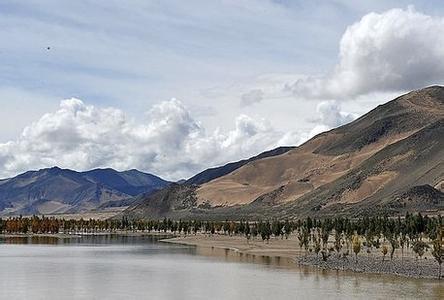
[(329, 115), (400, 49), (170, 142)]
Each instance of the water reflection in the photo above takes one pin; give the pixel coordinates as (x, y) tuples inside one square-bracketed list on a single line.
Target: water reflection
[(103, 239), (17, 240), (239, 257)]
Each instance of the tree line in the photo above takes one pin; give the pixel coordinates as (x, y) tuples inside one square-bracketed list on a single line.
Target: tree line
[(325, 237)]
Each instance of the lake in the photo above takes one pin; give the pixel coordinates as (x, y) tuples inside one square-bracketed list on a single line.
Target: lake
[(141, 267)]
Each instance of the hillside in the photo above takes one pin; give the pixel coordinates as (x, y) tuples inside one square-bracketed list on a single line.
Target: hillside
[(56, 190), (131, 182), (213, 173), (364, 167)]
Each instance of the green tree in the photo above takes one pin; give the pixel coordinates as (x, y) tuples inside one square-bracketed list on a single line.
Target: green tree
[(393, 245), (419, 247), (247, 231), (438, 251), (338, 241)]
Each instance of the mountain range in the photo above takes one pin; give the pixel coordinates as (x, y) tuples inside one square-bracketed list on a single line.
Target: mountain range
[(56, 190), (389, 161)]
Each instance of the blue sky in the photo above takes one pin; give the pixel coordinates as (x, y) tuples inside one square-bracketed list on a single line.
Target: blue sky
[(133, 56)]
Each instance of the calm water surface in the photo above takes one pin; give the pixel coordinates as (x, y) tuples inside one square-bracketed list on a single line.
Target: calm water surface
[(116, 267)]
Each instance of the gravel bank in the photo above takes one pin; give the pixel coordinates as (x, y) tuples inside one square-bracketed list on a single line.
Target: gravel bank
[(423, 268)]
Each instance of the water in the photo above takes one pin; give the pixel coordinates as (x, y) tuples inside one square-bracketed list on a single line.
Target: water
[(115, 267)]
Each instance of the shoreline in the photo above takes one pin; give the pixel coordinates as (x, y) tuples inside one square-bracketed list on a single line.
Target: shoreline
[(235, 246), (407, 266), (82, 234)]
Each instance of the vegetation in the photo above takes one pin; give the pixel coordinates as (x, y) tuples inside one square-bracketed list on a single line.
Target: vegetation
[(438, 250), (419, 247), (356, 246), (340, 235), (384, 252)]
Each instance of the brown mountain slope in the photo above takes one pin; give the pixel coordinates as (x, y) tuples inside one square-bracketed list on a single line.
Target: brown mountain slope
[(329, 155), (367, 164), (382, 183)]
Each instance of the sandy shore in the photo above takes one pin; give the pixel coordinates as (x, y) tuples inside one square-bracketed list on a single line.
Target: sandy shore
[(407, 265), (274, 248)]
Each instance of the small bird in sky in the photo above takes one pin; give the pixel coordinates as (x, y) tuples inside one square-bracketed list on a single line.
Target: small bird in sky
[(48, 48)]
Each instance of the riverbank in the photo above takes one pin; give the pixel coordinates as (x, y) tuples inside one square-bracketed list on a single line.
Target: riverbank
[(401, 265), (80, 234), (287, 248)]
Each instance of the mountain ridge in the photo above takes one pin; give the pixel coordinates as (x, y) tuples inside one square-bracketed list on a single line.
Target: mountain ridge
[(352, 169), (216, 172), (57, 190)]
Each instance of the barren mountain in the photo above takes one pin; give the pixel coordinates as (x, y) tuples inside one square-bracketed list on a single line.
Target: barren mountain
[(213, 173), (367, 166), (58, 190)]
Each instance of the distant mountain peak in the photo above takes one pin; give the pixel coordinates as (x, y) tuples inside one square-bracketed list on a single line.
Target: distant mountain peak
[(56, 190)]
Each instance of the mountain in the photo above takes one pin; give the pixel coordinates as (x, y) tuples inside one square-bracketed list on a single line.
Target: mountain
[(56, 190), (213, 173), (390, 160), (131, 182)]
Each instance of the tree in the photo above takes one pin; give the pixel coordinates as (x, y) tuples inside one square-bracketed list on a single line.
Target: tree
[(368, 240), (419, 247), (254, 231), (325, 255), (287, 228), (265, 231), (438, 251), (301, 237), (247, 232), (226, 227), (402, 242), (276, 228), (325, 233), (384, 252), (338, 241), (317, 245), (394, 245), (356, 244)]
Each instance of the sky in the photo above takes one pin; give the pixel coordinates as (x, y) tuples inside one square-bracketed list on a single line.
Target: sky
[(175, 87)]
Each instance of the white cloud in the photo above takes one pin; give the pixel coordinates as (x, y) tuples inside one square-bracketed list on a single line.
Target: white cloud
[(330, 114), (396, 50), (170, 143), (252, 97)]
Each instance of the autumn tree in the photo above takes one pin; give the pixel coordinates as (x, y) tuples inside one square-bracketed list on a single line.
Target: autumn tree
[(356, 244)]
